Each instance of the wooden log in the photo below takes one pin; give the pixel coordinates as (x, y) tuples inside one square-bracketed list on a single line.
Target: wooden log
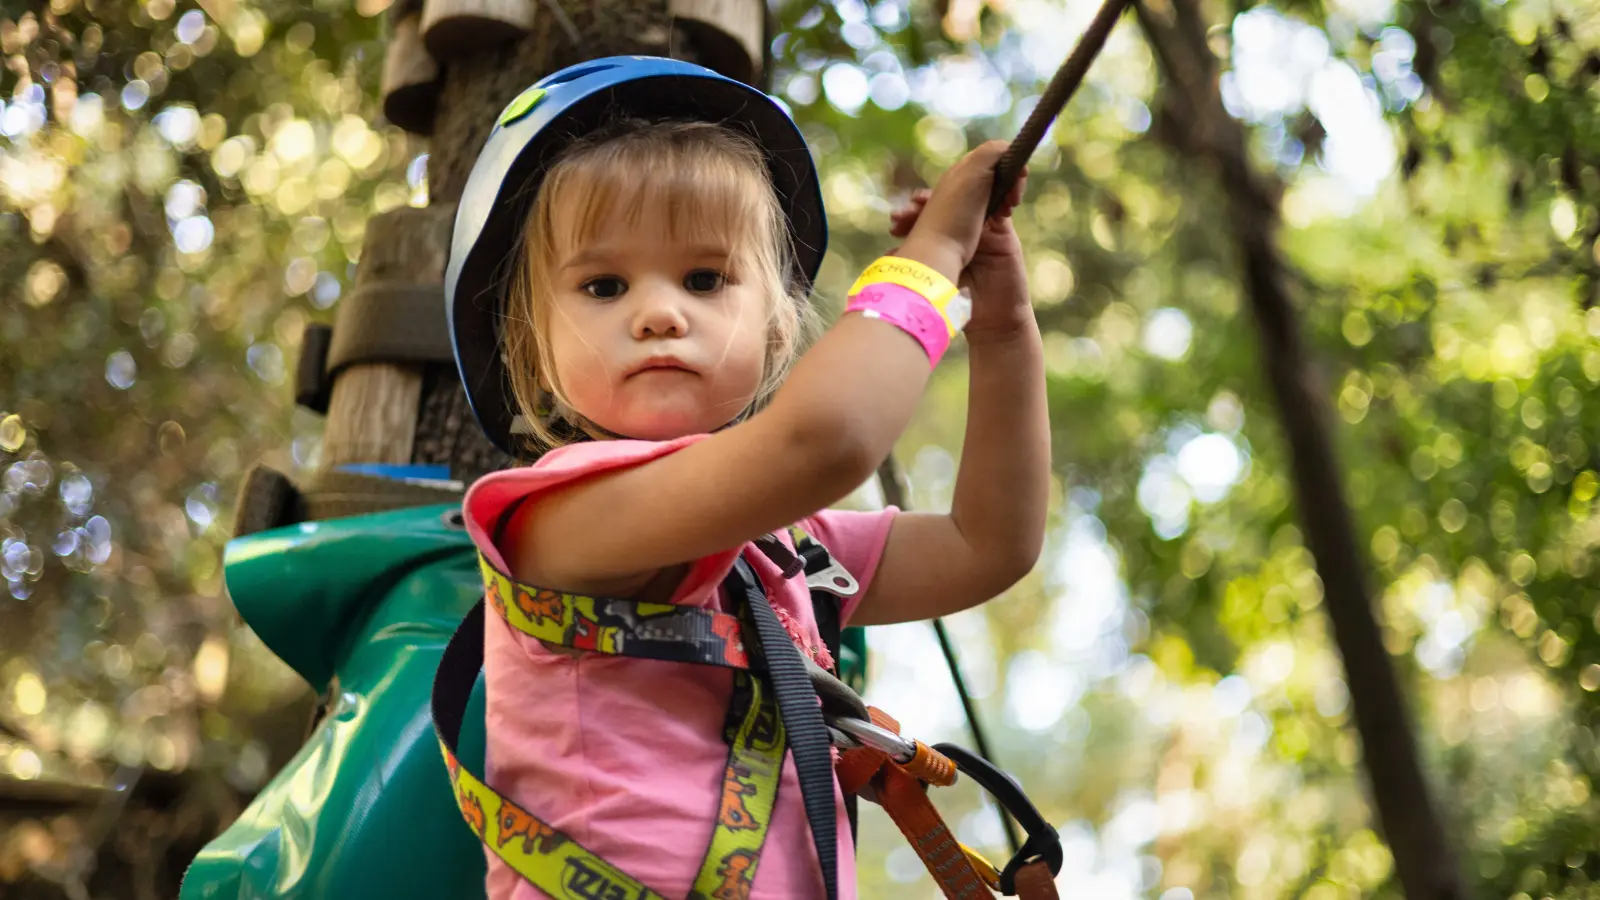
[(730, 34), (410, 78), (372, 411), (48, 795), (453, 29)]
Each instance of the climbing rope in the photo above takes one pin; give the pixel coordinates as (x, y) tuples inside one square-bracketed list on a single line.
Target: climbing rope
[(1062, 86)]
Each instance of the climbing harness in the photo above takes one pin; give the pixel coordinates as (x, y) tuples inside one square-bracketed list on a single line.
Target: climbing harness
[(755, 734), (773, 709)]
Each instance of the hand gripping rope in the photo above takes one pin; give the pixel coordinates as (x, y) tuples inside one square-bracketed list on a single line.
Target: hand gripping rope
[(875, 760)]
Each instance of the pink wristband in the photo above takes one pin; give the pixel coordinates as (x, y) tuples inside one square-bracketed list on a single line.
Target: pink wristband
[(907, 310)]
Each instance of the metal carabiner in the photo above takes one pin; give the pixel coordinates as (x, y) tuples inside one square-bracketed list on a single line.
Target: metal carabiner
[(866, 734), (1043, 842)]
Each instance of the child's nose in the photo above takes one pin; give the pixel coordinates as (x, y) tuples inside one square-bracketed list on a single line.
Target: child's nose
[(660, 314)]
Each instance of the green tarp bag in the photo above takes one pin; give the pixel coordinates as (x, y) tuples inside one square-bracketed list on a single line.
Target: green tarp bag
[(366, 604)]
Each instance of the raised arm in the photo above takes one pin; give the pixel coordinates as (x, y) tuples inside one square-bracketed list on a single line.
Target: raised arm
[(938, 564), (825, 431)]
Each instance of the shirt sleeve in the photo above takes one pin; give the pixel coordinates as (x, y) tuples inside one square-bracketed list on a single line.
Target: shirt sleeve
[(855, 540), (493, 495)]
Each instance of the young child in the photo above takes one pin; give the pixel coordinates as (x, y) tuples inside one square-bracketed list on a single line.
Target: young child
[(628, 283)]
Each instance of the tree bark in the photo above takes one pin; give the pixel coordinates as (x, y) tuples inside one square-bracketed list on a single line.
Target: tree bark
[(1202, 129)]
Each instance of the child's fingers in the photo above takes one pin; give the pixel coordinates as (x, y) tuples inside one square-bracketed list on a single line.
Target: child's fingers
[(910, 211), (915, 203), (902, 220), (1014, 196), (912, 208)]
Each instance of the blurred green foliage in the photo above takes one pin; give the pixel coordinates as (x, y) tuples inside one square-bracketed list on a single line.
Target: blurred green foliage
[(183, 189)]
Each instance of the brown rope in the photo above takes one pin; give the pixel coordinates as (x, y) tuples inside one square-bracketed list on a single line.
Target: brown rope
[(1062, 87)]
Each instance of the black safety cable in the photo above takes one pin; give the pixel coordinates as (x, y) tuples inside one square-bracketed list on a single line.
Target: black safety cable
[(894, 494), (1061, 88)]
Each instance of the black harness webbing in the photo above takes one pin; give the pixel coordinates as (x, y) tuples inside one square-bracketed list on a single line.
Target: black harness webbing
[(826, 608), (802, 720)]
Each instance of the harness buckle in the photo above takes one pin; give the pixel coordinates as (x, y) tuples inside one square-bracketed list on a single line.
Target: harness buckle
[(1043, 842), (835, 579)]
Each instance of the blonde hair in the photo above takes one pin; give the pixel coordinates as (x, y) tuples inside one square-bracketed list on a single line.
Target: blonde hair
[(713, 183)]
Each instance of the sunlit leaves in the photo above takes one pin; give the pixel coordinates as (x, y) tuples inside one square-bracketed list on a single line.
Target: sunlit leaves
[(158, 171), (1455, 350)]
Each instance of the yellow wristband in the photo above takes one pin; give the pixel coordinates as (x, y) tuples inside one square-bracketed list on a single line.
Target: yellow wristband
[(954, 308)]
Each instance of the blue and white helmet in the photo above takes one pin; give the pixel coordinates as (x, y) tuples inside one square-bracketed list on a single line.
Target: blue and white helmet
[(533, 131)]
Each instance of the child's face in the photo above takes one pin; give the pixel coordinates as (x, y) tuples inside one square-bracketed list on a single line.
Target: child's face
[(655, 336)]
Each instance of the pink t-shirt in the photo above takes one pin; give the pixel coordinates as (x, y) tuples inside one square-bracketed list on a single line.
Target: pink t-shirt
[(626, 755)]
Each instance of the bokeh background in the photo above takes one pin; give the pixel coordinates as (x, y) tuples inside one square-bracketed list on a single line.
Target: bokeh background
[(184, 188)]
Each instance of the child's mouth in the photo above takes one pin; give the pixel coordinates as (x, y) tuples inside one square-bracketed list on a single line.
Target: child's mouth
[(662, 364)]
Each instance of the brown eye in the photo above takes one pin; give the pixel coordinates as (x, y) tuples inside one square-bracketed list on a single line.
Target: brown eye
[(705, 281), (606, 287)]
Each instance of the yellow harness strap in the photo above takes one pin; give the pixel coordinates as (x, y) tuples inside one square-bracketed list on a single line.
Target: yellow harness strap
[(550, 859)]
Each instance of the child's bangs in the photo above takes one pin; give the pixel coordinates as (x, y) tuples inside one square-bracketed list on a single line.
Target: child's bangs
[(697, 197)]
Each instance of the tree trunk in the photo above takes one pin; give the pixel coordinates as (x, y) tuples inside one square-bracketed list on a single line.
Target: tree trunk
[(1202, 129)]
